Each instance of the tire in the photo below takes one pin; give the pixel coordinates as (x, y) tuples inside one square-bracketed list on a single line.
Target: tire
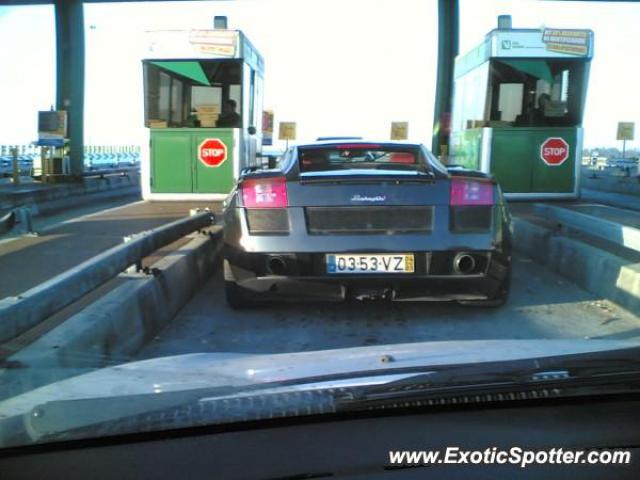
[(497, 301), (236, 296)]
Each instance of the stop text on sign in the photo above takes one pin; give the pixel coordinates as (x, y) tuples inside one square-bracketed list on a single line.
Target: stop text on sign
[(212, 152), (554, 151)]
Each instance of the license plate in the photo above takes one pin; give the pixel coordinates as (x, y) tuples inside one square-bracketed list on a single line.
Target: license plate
[(367, 263)]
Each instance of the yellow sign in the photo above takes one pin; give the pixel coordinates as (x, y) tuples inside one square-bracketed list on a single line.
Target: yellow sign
[(215, 42), (287, 131), (626, 130), (399, 130), (574, 42)]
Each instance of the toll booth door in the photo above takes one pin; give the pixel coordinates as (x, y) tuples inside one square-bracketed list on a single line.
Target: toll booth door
[(214, 179), (511, 159), (517, 163), (171, 162), (555, 178)]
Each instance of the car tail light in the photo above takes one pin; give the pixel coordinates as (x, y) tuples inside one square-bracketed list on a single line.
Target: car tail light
[(265, 192), (402, 157), (466, 191)]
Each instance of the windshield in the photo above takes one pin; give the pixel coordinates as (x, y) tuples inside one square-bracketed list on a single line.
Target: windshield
[(202, 203)]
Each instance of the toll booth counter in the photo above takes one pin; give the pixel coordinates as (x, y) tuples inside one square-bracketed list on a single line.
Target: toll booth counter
[(518, 107), (203, 109)]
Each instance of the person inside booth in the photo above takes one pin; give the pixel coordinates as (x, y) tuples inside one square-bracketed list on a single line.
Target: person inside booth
[(535, 116), (229, 118), (192, 120)]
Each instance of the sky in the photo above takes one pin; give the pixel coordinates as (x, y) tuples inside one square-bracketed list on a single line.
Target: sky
[(336, 67)]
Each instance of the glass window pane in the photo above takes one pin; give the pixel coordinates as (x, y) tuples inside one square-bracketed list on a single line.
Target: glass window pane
[(176, 102), (163, 96), (201, 96), (470, 98)]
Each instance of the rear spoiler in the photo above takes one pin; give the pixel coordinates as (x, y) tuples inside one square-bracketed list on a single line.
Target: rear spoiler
[(460, 171), (336, 177)]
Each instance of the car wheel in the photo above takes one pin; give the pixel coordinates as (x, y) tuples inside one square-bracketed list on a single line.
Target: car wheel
[(497, 301), (239, 297), (236, 296)]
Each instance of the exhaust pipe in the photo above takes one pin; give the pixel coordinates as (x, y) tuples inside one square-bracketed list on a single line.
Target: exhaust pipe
[(464, 264), (276, 266)]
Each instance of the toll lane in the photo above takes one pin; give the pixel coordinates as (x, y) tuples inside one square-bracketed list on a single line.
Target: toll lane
[(30, 260), (542, 306)]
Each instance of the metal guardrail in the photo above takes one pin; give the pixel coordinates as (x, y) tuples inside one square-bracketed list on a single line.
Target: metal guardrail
[(19, 314), (111, 171), (617, 233)]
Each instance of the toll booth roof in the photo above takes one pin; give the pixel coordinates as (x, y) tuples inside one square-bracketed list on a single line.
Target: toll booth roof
[(201, 44), (547, 43)]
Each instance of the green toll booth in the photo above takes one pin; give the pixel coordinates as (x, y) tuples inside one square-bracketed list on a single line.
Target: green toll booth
[(518, 107), (203, 92)]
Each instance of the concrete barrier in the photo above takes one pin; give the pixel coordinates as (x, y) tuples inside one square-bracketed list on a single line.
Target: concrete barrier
[(595, 270), (623, 235), (116, 326), (603, 181)]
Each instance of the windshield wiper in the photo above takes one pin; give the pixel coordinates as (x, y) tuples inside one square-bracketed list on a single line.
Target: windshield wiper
[(578, 375), (587, 374)]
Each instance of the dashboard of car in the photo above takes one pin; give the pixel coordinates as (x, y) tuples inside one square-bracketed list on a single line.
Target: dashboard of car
[(352, 446)]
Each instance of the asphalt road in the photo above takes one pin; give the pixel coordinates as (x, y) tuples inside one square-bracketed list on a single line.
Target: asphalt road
[(542, 306), (66, 240)]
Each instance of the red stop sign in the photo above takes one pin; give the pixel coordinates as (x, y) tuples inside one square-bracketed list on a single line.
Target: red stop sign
[(554, 151), (212, 152)]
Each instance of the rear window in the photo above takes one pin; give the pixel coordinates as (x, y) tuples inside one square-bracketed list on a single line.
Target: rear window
[(358, 156)]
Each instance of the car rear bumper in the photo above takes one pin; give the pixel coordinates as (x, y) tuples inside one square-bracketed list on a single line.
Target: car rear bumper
[(305, 278)]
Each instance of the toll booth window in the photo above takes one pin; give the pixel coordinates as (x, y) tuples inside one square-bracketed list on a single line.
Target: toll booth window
[(235, 94), (469, 107), (257, 105), (164, 87), (536, 92), (204, 93)]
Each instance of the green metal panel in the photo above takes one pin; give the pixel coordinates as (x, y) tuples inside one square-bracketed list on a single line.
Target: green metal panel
[(555, 179), (511, 160), (171, 161), (176, 168), (516, 161), (213, 179)]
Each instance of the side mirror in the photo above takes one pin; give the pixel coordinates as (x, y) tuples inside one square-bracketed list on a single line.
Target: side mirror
[(251, 130)]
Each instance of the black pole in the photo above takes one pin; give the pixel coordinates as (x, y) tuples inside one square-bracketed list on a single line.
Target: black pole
[(448, 13), (70, 75)]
